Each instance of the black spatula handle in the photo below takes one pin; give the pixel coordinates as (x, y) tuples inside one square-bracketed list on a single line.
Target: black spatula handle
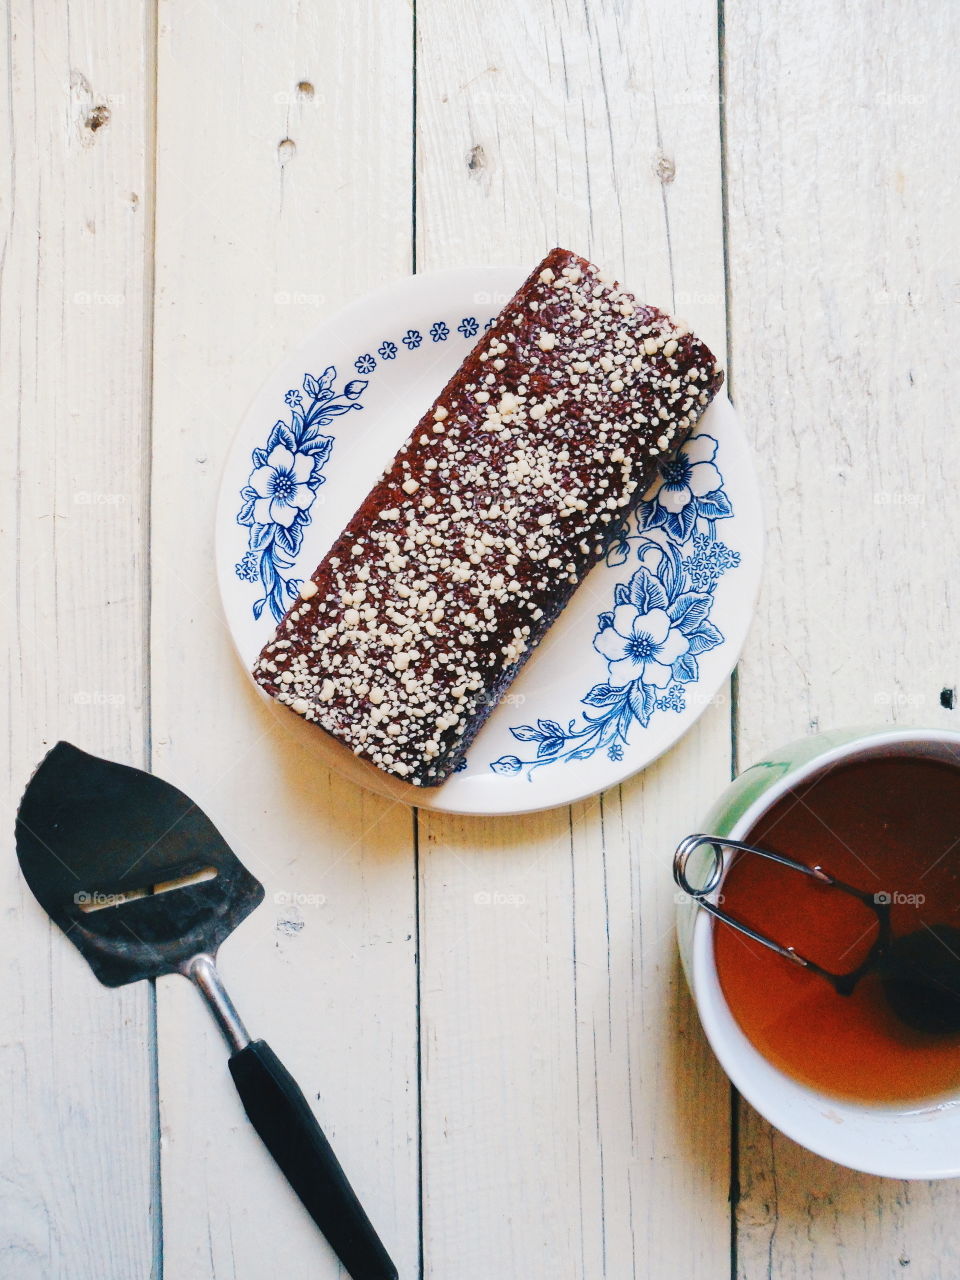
[(282, 1116)]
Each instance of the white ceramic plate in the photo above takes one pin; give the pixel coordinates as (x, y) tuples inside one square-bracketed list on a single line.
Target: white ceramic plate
[(681, 586)]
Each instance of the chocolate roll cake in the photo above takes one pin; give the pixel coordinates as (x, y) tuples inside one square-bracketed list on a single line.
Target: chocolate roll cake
[(512, 486)]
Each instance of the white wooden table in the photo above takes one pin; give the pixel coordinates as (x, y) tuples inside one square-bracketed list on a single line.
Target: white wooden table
[(519, 1091)]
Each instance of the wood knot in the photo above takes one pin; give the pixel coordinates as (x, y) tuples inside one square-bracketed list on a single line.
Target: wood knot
[(97, 117), (476, 159), (665, 169)]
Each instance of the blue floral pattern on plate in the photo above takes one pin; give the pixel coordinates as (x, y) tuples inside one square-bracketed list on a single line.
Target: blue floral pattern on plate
[(283, 484), (660, 621), (287, 471)]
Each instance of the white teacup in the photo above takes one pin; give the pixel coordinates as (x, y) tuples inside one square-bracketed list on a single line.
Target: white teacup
[(899, 1141)]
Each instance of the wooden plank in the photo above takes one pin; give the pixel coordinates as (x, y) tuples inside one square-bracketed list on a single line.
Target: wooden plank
[(843, 265), (284, 141), (78, 1146), (572, 1116)]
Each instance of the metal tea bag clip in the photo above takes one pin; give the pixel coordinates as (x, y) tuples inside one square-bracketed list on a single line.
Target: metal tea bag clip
[(842, 983)]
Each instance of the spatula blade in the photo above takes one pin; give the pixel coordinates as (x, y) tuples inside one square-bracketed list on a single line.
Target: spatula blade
[(90, 831)]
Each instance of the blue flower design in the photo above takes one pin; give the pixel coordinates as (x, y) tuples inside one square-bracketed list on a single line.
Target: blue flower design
[(387, 351), (659, 625), (640, 646), (412, 339), (710, 561), (691, 489), (283, 484), (673, 699), (248, 570), (365, 364), (468, 327), (439, 332)]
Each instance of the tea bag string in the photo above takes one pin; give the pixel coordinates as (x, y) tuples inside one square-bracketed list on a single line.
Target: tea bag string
[(843, 983)]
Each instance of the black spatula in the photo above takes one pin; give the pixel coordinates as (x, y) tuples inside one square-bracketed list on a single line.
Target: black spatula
[(142, 882)]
